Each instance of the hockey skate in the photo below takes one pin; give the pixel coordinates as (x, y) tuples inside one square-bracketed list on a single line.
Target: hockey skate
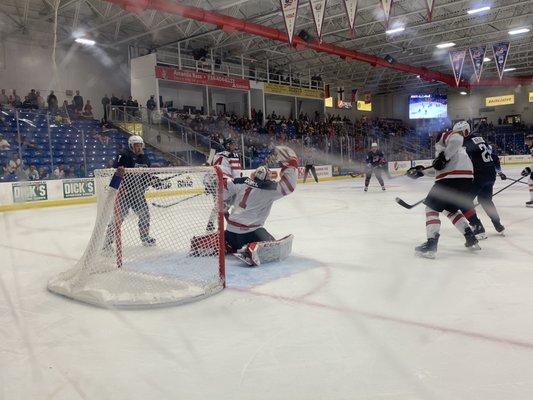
[(383, 188), (428, 249), (498, 226), (529, 203), (148, 241), (471, 240), (479, 231), (366, 188)]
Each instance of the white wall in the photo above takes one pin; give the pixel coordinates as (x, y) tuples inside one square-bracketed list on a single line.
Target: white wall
[(282, 105), (93, 71), (143, 80)]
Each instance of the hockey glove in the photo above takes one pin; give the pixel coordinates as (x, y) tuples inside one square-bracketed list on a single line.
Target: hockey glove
[(526, 171), (415, 172), (286, 156), (502, 176), (440, 162)]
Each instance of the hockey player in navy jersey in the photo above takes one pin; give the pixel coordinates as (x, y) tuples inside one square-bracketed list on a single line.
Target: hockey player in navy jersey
[(486, 166), (527, 171), (132, 190), (375, 160)]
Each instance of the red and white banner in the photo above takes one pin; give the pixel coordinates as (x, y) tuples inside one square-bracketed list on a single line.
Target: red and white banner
[(430, 4), (457, 58), (289, 9), (387, 6), (351, 9), (501, 51), (318, 9), (200, 78), (477, 55)]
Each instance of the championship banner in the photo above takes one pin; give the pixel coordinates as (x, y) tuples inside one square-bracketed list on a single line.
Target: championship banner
[(318, 9), (351, 9), (73, 188), (457, 58), (29, 191), (286, 90), (430, 4), (387, 6), (477, 54), (200, 78), (289, 10), (501, 51)]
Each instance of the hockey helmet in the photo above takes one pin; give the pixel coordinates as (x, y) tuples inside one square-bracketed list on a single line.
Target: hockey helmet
[(228, 142), (262, 173), (135, 139), (374, 145), (462, 127)]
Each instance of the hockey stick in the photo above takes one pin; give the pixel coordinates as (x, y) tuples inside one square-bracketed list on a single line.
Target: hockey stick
[(517, 181), (409, 206), (176, 202)]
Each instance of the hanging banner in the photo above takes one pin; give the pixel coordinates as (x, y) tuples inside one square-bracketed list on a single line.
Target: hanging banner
[(477, 55), (387, 6), (318, 9), (200, 78), (289, 9), (326, 91), (354, 95), (457, 58), (501, 51), (351, 9), (429, 5)]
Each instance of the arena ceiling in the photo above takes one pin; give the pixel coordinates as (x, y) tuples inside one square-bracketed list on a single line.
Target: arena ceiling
[(113, 27)]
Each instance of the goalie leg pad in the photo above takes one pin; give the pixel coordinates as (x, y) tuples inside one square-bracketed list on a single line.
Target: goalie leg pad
[(268, 251)]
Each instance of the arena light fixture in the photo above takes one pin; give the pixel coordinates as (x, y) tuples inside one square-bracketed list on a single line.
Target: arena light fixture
[(486, 59), (518, 31), (509, 69), (85, 41), (395, 30), (478, 10), (445, 45), (463, 93)]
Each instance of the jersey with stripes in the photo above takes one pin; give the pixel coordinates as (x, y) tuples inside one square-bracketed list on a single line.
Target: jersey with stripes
[(458, 163), (253, 200), (229, 163)]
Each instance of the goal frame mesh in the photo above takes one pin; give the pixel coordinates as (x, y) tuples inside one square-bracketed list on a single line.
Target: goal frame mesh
[(95, 285)]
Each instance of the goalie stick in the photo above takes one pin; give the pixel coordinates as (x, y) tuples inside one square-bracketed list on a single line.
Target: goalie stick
[(409, 206), (176, 202)]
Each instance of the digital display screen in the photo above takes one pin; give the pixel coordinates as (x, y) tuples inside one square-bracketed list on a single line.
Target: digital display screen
[(423, 106)]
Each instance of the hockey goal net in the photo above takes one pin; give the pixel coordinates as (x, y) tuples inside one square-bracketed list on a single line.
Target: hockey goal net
[(158, 239)]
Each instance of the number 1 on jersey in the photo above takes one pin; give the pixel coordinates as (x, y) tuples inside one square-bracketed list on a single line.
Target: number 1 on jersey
[(242, 204)]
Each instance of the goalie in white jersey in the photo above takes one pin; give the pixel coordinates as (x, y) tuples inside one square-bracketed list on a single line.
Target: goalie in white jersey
[(252, 200)]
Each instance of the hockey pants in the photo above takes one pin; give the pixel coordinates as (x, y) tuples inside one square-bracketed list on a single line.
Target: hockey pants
[(310, 167), (377, 170), (235, 241)]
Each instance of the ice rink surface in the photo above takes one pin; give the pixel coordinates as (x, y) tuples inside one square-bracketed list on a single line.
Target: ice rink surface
[(352, 314)]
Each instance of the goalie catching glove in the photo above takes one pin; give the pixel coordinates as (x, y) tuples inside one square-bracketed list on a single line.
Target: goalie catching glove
[(285, 156), (526, 171)]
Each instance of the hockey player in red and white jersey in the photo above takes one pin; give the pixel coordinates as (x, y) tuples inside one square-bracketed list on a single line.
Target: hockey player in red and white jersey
[(454, 173), (252, 200), (228, 160)]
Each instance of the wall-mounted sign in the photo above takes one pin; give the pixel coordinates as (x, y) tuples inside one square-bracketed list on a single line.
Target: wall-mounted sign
[(287, 90), (200, 78), (29, 191), (73, 188), (363, 106), (499, 100), (531, 97), (328, 102)]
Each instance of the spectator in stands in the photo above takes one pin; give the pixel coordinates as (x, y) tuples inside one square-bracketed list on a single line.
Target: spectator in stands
[(105, 105), (16, 99), (69, 174), (88, 109), (4, 144), (151, 106), (43, 173), (33, 174), (28, 144), (77, 101), (59, 172), (7, 175), (28, 103), (52, 102), (32, 97), (15, 163), (115, 101), (78, 170), (3, 98), (40, 100)]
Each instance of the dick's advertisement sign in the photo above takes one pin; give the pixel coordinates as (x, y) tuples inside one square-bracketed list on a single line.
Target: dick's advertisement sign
[(29, 191), (73, 188)]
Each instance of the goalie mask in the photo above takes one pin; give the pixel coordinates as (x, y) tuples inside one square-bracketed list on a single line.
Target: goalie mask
[(262, 173)]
